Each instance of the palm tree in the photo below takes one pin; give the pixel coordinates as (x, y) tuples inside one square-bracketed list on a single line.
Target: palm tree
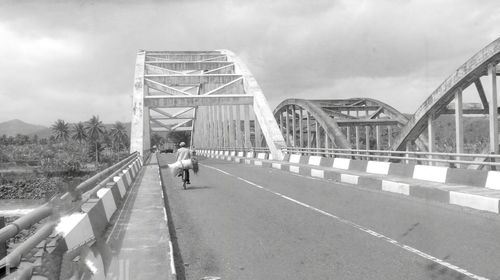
[(79, 133), (119, 134), (60, 130), (95, 130)]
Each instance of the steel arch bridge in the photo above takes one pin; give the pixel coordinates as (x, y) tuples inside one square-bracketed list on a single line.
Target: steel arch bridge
[(339, 123), (364, 123), (212, 94), (216, 98)]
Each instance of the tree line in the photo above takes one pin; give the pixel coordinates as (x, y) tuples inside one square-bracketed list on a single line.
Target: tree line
[(91, 133)]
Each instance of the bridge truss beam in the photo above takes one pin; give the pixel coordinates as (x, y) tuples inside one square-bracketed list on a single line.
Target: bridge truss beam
[(220, 102)]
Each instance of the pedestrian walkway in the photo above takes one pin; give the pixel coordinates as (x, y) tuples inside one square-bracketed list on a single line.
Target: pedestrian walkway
[(139, 240)]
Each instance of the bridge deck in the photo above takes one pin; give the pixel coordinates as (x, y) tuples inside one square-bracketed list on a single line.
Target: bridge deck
[(139, 240), (244, 222)]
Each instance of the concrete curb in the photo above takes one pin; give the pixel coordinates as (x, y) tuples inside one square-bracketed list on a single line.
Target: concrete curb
[(172, 260), (475, 189)]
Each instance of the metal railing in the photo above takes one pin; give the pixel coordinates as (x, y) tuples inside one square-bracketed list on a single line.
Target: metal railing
[(450, 159), (64, 204), (460, 160), (238, 149)]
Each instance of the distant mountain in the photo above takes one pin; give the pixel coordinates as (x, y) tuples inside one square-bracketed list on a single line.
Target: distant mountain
[(13, 127)]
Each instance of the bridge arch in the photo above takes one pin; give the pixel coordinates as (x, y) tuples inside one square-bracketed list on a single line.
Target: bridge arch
[(338, 121), (483, 63)]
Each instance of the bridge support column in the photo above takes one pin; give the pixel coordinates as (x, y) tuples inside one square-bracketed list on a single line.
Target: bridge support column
[(327, 144), (231, 126), (377, 137), (287, 126), (459, 125), (239, 142), (140, 130), (294, 127), (246, 112), (225, 124), (220, 127), (389, 136), (258, 135), (493, 110), (348, 134), (301, 129), (357, 137), (430, 131), (308, 130), (318, 135)]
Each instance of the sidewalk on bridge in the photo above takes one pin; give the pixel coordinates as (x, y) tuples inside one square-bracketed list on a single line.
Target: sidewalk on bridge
[(140, 240), (479, 198)]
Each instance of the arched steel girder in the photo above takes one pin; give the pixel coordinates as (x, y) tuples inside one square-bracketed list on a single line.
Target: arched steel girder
[(332, 129), (436, 103), (324, 109)]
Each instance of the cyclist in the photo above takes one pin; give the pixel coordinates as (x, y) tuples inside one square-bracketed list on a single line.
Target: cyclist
[(182, 154)]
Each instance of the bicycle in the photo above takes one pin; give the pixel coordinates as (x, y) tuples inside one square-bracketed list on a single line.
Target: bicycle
[(185, 182)]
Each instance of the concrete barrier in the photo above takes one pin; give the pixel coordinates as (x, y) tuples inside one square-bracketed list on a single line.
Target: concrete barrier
[(341, 163), (430, 173), (469, 188)]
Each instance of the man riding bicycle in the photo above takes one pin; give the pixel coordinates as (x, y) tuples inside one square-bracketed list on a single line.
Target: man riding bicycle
[(182, 154)]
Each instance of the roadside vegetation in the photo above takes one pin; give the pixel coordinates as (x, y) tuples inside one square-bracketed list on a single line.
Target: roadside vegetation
[(34, 168)]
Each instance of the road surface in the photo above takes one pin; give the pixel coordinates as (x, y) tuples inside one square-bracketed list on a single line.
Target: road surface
[(238, 221)]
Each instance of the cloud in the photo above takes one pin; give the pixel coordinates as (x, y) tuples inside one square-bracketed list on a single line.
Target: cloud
[(73, 59)]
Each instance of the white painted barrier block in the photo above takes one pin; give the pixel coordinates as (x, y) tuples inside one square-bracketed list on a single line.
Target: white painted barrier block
[(261, 155), (479, 202), (127, 176), (430, 173), (348, 178), (257, 162), (396, 187), (226, 153), (276, 165), (493, 180), (233, 153), (247, 161), (106, 196), (317, 173), (240, 154), (294, 169), (378, 167), (136, 166), (250, 154), (120, 184), (341, 163), (271, 157), (294, 158), (315, 160), (131, 171), (80, 231)]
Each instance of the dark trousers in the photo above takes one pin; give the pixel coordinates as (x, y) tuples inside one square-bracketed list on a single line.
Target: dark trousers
[(186, 175)]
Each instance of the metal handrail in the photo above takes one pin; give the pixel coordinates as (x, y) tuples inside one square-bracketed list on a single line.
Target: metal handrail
[(47, 210), (405, 155), (487, 159), (242, 149), (14, 258), (393, 152)]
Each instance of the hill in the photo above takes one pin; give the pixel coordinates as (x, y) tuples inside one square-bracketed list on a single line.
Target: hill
[(13, 127)]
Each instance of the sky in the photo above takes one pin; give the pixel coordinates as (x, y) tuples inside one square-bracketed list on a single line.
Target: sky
[(73, 59)]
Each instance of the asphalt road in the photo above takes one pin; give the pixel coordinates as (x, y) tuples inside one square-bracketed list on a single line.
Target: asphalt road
[(243, 222)]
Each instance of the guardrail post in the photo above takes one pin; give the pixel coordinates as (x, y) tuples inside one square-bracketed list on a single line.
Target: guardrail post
[(3, 245)]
